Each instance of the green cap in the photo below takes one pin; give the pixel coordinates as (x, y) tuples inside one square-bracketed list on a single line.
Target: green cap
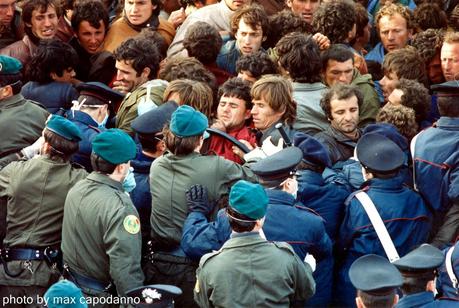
[(187, 122), (114, 146), (248, 199), (9, 65), (64, 128)]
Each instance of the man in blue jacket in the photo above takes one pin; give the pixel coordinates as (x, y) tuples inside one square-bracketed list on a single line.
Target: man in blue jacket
[(286, 220), (403, 212)]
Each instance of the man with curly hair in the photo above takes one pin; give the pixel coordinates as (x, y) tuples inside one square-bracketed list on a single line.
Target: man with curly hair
[(252, 66), (403, 118), (394, 23), (250, 27), (203, 42), (299, 59), (428, 43)]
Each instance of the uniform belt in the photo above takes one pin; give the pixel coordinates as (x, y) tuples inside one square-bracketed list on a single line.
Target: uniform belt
[(28, 253), (91, 283)]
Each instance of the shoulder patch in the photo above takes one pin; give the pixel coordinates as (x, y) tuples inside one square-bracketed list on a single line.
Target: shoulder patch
[(131, 224), (284, 246), (208, 256)]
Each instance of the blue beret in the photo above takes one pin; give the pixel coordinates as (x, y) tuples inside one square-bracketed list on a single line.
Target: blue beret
[(9, 65), (100, 91), (449, 88), (424, 258), (248, 199), (187, 122), (149, 295), (114, 146), (379, 153), (64, 128), (278, 166), (389, 131), (314, 153), (60, 293), (153, 121), (374, 274)]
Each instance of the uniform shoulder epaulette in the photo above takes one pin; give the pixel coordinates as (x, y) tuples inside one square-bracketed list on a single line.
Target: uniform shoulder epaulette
[(76, 165), (284, 246), (95, 128), (208, 256), (307, 209), (352, 195), (38, 104)]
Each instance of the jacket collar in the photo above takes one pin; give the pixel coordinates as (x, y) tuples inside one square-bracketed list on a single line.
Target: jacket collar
[(448, 123), (104, 179), (12, 101), (416, 300)]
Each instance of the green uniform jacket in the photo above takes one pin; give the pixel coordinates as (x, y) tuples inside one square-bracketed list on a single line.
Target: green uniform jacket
[(371, 105), (101, 233), (128, 108), (171, 176), (36, 190), (249, 271), (21, 123)]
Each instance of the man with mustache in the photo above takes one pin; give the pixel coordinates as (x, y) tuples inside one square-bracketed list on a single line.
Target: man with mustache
[(341, 105), (11, 29)]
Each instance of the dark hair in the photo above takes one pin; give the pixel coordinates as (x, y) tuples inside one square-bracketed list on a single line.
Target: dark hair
[(285, 22), (406, 63), (61, 149), (339, 91), (149, 141), (203, 42), (335, 20), (153, 36), (374, 300), (293, 50), (101, 165), (92, 12), (237, 225), (337, 52), (258, 64), (361, 19), (430, 16), (236, 87), (416, 284), (180, 146), (415, 96), (188, 68), (448, 106), (277, 92), (41, 5), (428, 43), (158, 3), (142, 53), (51, 56), (254, 16)]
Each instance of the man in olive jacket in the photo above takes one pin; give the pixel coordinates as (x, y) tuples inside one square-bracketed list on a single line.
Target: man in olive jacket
[(249, 271), (101, 240), (36, 190)]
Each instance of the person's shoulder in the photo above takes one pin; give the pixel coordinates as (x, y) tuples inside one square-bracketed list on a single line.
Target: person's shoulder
[(283, 248), (207, 257)]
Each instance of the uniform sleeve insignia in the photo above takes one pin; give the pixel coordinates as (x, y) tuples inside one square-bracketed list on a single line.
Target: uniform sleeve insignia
[(150, 295), (131, 224)]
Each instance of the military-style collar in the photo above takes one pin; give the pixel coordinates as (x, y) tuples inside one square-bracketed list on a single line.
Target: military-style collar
[(12, 101), (244, 239), (83, 117), (415, 300), (277, 196), (448, 123), (104, 179), (392, 184)]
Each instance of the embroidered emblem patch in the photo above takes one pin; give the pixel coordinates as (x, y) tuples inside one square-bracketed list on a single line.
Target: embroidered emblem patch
[(131, 224)]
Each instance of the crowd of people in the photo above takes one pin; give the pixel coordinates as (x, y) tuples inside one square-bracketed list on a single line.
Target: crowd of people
[(241, 153)]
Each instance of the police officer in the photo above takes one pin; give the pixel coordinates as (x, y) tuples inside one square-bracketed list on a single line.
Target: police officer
[(299, 226), (21, 120), (419, 268), (91, 113), (327, 199), (101, 240), (436, 165), (261, 273), (402, 211), (448, 277), (376, 281), (170, 176), (156, 295), (36, 190), (149, 130)]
